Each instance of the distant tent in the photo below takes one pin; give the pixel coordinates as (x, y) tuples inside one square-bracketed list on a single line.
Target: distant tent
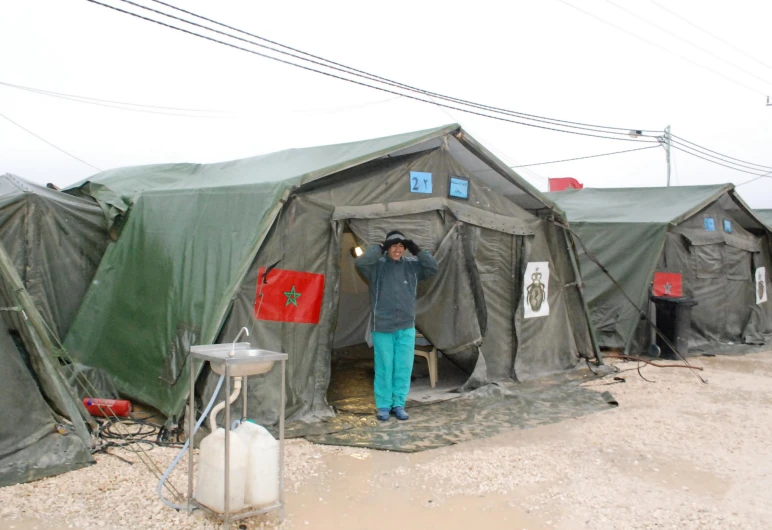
[(52, 243), (705, 233), (765, 216), (196, 240)]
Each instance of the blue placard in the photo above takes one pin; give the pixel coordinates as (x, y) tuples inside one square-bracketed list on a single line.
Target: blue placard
[(727, 226), (710, 224), (458, 188), (420, 182)]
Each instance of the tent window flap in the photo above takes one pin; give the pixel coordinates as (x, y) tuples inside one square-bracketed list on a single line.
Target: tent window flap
[(708, 261)]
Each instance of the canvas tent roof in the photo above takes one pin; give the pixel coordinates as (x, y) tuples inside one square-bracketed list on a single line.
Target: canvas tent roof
[(626, 229), (117, 189), (636, 205), (51, 244), (192, 232), (765, 216)]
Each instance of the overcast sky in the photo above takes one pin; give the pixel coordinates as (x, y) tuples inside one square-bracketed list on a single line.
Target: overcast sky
[(539, 57)]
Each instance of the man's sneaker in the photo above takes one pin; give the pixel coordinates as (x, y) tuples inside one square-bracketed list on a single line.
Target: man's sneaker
[(382, 414), (400, 413)]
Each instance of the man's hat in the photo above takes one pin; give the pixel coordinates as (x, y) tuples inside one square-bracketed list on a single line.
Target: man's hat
[(395, 234)]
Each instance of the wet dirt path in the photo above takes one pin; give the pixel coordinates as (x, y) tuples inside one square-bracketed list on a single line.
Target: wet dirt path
[(676, 453)]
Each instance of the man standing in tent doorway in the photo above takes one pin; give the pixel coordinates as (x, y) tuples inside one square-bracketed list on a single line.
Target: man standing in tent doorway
[(393, 281)]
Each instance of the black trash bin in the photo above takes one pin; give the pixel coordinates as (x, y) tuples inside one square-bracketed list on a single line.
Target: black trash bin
[(674, 320)]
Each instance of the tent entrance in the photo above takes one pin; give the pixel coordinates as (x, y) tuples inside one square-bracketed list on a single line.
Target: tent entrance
[(352, 366), (352, 373)]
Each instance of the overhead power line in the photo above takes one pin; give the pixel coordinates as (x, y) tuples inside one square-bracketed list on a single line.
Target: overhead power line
[(690, 43), (374, 77), (141, 107), (683, 150), (556, 126), (717, 153), (585, 157), (49, 143), (343, 73), (767, 176), (692, 24), (88, 98), (663, 48), (709, 156), (120, 105), (343, 68)]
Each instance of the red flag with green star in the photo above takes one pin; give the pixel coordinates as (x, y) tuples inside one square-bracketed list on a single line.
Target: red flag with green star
[(289, 296), (668, 284)]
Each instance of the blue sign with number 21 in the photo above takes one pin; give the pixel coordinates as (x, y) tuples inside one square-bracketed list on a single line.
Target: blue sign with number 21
[(420, 182)]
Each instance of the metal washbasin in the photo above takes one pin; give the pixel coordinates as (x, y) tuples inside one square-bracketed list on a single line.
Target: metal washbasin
[(242, 358)]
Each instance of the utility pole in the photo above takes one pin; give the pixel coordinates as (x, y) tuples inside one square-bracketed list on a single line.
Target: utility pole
[(667, 152)]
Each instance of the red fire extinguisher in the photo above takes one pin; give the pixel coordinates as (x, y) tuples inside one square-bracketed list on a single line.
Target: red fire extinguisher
[(107, 407)]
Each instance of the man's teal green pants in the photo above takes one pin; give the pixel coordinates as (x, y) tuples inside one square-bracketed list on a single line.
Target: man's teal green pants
[(393, 366)]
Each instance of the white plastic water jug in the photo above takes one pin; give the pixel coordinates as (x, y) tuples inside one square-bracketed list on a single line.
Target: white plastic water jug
[(210, 480), (262, 483)]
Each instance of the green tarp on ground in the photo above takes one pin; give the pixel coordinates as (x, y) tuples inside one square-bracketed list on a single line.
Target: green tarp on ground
[(486, 412), (194, 238), (54, 242), (705, 233), (443, 416)]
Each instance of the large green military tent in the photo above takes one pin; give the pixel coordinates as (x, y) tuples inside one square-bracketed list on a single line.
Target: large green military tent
[(765, 216), (188, 266), (50, 246), (705, 233)]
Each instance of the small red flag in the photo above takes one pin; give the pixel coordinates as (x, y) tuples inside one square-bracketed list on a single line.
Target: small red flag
[(289, 296), (668, 284)]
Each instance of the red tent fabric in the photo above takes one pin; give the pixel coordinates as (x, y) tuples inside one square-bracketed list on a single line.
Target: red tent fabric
[(566, 183)]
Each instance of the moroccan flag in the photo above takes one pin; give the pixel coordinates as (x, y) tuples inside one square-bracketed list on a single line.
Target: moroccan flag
[(289, 296), (668, 284)]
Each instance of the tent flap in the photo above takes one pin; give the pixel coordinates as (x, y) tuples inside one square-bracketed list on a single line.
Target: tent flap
[(165, 284), (462, 212), (51, 244), (697, 237), (31, 445)]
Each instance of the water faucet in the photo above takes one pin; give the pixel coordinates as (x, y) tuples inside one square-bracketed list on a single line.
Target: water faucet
[(233, 347)]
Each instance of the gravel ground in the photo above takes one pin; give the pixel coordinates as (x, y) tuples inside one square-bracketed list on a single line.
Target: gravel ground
[(676, 453), (115, 494)]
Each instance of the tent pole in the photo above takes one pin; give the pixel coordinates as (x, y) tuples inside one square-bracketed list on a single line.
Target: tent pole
[(45, 348), (667, 152), (580, 287)]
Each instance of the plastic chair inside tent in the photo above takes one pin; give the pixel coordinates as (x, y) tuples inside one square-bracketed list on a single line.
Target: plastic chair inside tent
[(425, 349)]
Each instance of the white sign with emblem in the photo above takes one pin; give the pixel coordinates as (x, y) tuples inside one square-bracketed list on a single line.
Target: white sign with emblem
[(761, 285), (536, 289)]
